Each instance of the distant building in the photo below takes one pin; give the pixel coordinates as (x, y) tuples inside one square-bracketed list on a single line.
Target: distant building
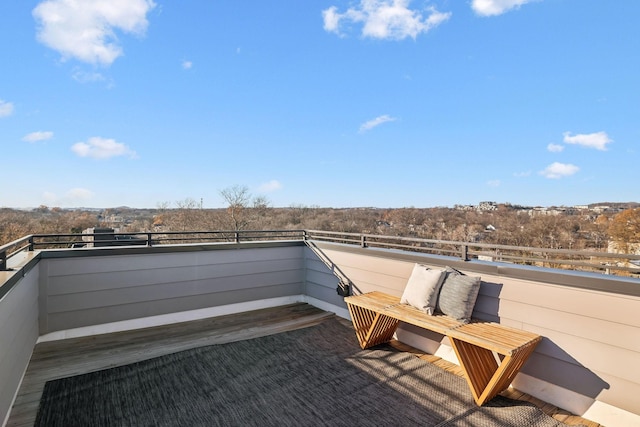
[(546, 211), (97, 237), (601, 209), (464, 207), (487, 206), (627, 248)]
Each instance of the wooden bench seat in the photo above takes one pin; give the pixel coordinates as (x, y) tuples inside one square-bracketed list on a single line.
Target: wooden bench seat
[(490, 354)]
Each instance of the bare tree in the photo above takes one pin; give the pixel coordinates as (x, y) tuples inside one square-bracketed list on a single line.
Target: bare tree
[(260, 211), (243, 208), (187, 215)]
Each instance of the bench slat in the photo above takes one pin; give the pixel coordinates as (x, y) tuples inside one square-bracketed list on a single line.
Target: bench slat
[(495, 337), (373, 300), (438, 323)]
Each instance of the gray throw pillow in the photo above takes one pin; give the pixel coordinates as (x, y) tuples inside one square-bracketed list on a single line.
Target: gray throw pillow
[(458, 295)]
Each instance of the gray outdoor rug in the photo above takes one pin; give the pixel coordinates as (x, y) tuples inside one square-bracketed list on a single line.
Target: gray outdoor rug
[(317, 376)]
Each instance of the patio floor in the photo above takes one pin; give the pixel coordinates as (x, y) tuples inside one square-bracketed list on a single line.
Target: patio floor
[(59, 359)]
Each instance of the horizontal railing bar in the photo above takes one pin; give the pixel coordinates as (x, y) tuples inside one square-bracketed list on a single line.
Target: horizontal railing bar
[(420, 248), (490, 245), (8, 250), (482, 245), (499, 253), (577, 259)]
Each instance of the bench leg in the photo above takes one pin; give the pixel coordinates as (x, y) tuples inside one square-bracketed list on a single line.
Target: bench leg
[(372, 328), (485, 376)]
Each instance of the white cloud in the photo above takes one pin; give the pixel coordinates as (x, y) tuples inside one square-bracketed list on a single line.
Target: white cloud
[(495, 7), (558, 170), (50, 197), (376, 122), (598, 140), (6, 108), (187, 65), (331, 19), (70, 198), (271, 186), (522, 174), (38, 136), (79, 194), (494, 183), (102, 148), (555, 148), (87, 77), (384, 19), (86, 30)]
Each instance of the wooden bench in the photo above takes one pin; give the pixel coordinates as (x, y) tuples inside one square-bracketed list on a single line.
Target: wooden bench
[(490, 354)]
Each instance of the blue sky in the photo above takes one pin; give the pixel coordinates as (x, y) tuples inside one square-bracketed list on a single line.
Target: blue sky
[(385, 103)]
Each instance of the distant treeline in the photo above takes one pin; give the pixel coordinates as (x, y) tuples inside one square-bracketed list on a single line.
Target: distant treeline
[(504, 225)]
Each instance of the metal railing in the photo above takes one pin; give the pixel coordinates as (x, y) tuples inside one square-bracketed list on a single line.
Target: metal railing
[(567, 259), (86, 240), (34, 242), (11, 249), (603, 262)]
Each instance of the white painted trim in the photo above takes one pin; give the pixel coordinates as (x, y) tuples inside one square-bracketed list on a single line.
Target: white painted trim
[(436, 348), (575, 403), (561, 397), (609, 415), (166, 319), (15, 395), (186, 316), (323, 305), (447, 353)]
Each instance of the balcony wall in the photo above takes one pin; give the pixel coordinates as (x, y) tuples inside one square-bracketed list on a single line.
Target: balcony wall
[(18, 330), (587, 361), (126, 284)]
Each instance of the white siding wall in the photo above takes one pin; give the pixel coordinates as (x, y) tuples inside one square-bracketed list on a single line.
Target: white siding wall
[(321, 282), (84, 291), (18, 335)]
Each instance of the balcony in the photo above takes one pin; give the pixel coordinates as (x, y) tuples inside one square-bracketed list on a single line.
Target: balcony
[(52, 294)]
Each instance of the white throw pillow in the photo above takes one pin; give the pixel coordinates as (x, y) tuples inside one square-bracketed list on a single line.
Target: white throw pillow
[(422, 288)]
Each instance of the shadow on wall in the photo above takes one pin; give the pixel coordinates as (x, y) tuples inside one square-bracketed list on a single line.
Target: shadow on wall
[(552, 364), (549, 362), (345, 285)]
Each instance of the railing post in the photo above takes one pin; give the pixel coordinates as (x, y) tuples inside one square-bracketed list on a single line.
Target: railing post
[(237, 236), (3, 260), (149, 239), (465, 253), (363, 241), (31, 244)]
